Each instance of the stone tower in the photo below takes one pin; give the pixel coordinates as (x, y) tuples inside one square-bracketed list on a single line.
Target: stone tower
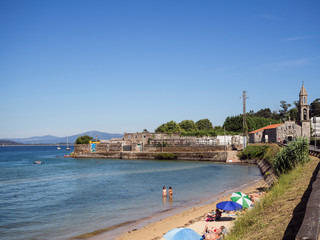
[(304, 113)]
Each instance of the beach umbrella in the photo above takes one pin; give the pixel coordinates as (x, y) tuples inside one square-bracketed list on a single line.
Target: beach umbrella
[(241, 198), (182, 233), (229, 206)]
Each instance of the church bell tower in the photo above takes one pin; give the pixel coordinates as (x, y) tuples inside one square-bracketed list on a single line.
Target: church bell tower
[(304, 113)]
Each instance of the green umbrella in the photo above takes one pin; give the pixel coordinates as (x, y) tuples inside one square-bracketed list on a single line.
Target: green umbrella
[(241, 198)]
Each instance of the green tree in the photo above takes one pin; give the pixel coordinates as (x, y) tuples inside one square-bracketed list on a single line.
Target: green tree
[(315, 108), (293, 113), (83, 139), (283, 112), (188, 125), (204, 124), (266, 113), (234, 123), (169, 127)]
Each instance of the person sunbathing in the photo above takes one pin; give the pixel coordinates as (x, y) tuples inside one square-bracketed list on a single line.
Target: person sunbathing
[(255, 195), (214, 215), (210, 233)]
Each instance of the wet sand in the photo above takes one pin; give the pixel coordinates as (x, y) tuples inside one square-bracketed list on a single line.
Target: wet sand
[(155, 227)]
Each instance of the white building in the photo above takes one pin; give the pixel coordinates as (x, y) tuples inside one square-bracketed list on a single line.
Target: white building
[(315, 124)]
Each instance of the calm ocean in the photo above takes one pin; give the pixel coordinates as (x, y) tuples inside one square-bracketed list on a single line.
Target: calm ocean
[(65, 197)]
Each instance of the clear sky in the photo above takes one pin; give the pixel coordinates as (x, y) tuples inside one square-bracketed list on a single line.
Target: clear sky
[(68, 67)]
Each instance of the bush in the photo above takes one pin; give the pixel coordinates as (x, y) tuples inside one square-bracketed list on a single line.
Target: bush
[(166, 156), (288, 158), (83, 139), (253, 152), (267, 152)]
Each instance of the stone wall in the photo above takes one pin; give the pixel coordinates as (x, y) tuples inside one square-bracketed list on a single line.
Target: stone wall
[(157, 139), (266, 170), (200, 156), (100, 148), (108, 147), (310, 227), (110, 155), (185, 149), (81, 148), (107, 151)]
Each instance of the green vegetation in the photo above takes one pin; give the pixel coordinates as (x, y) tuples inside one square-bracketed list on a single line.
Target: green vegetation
[(166, 156), (204, 124), (265, 151), (292, 155), (263, 221), (315, 108), (169, 127), (201, 128), (83, 139), (235, 123), (188, 126)]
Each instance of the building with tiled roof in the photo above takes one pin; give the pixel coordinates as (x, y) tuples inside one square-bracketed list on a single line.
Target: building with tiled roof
[(288, 130)]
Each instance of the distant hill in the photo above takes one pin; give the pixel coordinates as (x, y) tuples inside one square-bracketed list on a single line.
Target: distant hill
[(48, 139), (7, 142)]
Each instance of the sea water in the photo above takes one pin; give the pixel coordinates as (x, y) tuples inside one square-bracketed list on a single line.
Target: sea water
[(65, 197)]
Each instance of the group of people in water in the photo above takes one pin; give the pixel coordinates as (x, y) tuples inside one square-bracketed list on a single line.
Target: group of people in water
[(164, 192)]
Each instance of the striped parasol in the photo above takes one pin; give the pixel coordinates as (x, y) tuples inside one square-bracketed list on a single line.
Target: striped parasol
[(241, 198)]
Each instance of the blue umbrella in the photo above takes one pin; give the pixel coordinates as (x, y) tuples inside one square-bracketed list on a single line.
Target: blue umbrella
[(229, 206), (182, 234)]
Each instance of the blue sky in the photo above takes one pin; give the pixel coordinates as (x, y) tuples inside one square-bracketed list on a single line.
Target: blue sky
[(68, 67)]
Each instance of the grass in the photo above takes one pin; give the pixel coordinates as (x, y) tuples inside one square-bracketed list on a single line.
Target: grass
[(279, 213)]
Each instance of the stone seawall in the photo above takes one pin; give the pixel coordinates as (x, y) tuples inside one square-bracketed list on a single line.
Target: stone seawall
[(185, 149), (110, 151), (266, 170), (83, 151), (187, 156)]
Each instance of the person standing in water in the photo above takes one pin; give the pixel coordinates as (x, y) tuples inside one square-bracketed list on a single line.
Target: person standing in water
[(170, 192), (164, 191)]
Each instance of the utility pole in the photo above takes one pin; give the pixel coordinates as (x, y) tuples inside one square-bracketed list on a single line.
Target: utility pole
[(245, 127), (315, 132), (225, 142)]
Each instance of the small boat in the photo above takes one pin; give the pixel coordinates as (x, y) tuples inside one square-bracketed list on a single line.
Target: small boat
[(58, 146), (37, 162), (68, 149)]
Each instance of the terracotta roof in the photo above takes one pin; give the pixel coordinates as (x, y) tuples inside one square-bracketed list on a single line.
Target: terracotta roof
[(267, 127)]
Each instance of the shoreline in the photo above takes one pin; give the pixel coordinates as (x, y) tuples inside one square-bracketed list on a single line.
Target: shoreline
[(155, 226)]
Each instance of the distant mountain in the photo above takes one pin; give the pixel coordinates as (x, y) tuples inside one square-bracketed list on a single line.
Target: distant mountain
[(48, 139), (7, 142)]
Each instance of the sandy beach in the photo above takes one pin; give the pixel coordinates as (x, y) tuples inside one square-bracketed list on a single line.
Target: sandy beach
[(191, 218)]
